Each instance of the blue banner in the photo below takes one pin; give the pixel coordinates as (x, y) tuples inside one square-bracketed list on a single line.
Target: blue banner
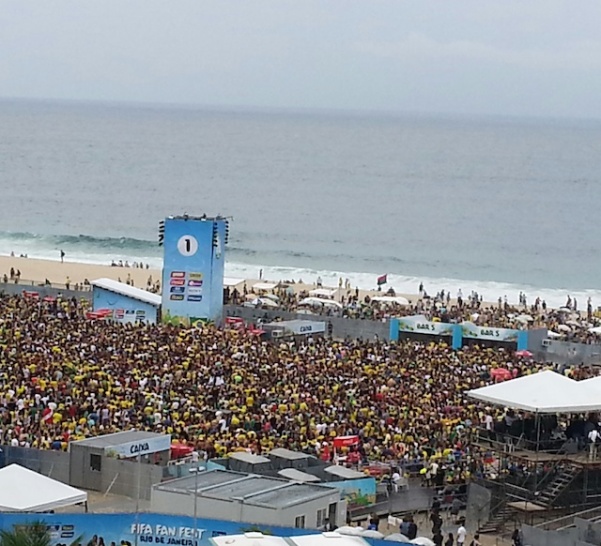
[(162, 529), (187, 264)]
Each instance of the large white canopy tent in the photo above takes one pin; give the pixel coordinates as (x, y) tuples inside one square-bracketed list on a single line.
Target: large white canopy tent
[(23, 490), (543, 392)]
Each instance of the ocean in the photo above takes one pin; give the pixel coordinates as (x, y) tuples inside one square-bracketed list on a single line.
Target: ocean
[(493, 205)]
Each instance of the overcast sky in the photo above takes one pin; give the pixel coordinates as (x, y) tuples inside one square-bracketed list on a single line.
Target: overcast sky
[(508, 57)]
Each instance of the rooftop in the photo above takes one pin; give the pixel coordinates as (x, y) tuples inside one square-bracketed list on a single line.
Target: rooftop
[(297, 475), (344, 473), (249, 458), (118, 438), (128, 291), (284, 453), (249, 488)]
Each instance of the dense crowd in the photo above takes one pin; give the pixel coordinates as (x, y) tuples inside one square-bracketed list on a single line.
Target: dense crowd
[(566, 323), (63, 377)]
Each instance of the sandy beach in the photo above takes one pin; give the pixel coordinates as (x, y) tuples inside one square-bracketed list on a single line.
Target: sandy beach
[(35, 272)]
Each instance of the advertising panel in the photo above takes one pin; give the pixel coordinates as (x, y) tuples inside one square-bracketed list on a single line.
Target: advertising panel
[(420, 325), (507, 335), (187, 255), (161, 529), (142, 447)]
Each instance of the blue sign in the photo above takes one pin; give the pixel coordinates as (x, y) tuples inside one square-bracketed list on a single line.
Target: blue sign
[(193, 270), (156, 529)]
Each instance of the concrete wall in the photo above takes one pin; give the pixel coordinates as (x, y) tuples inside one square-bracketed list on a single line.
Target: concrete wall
[(341, 327), (565, 352), (11, 288), (538, 537), (54, 464), (122, 477), (588, 531)]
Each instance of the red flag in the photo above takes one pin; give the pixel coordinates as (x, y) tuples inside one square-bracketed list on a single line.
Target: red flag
[(382, 279)]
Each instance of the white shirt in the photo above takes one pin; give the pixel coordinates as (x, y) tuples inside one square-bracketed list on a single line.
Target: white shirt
[(488, 422), (461, 534), (593, 435)]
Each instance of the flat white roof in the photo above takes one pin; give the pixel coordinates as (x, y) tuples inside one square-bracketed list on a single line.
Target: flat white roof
[(297, 475), (249, 458), (284, 453), (345, 473), (128, 291)]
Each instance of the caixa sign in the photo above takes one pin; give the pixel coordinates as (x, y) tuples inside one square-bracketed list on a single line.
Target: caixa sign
[(136, 449), (144, 446)]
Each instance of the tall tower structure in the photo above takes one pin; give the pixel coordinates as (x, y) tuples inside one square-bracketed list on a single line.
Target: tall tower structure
[(193, 268)]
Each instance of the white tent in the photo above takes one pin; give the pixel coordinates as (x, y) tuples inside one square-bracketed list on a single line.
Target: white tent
[(319, 301), (232, 281), (543, 392), (322, 292), (23, 490), (399, 300), (264, 286)]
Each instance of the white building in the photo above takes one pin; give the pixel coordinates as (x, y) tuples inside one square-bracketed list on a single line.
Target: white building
[(236, 496)]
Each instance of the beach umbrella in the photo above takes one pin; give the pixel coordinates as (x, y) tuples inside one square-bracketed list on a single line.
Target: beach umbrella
[(370, 533), (595, 330), (524, 353), (552, 334), (423, 541), (574, 323), (564, 328), (524, 318), (397, 537)]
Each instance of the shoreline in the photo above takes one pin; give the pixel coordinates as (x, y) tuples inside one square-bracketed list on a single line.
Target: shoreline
[(35, 271)]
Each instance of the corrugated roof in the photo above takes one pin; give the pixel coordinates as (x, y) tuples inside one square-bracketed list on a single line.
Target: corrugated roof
[(284, 453), (249, 458), (291, 495), (297, 475), (128, 291), (248, 488)]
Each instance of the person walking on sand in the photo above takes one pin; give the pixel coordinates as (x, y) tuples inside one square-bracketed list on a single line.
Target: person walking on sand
[(62, 256)]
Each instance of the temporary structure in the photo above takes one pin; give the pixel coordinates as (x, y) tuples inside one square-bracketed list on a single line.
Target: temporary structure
[(398, 300), (322, 293), (319, 301), (543, 392), (23, 490)]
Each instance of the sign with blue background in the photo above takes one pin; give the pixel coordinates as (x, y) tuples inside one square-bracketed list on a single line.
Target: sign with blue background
[(193, 257), (157, 529)]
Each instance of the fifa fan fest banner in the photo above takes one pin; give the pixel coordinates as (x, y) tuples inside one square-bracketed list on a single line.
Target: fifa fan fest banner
[(121, 529), (418, 324)]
